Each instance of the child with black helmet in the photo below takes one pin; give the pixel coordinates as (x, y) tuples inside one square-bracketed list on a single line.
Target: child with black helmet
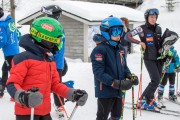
[(150, 35), (34, 76), (111, 73)]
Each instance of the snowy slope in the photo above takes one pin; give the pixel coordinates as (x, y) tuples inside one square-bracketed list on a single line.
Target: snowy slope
[(82, 74)]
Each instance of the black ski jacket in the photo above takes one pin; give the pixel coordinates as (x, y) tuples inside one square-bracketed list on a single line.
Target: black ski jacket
[(150, 36)]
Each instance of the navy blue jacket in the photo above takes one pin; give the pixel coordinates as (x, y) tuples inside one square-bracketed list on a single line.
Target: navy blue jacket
[(108, 63)]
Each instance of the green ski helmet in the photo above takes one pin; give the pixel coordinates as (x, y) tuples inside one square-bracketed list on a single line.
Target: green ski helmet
[(47, 30)]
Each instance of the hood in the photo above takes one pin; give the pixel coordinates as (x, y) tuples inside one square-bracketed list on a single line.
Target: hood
[(27, 42), (98, 38), (6, 17)]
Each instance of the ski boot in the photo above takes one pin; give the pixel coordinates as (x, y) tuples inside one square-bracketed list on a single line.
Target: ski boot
[(160, 103), (151, 105), (146, 106), (173, 98), (60, 112)]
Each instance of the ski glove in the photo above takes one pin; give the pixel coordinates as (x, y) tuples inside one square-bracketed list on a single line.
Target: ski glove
[(133, 77), (79, 96), (177, 69), (122, 84), (30, 98)]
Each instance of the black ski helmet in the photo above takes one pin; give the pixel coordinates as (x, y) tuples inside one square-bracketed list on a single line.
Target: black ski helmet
[(152, 11), (52, 11), (1, 12)]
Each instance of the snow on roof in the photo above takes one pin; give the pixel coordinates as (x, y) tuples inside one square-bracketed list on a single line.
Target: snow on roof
[(99, 11), (93, 11)]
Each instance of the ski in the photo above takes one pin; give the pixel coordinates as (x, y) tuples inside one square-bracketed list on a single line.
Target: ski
[(157, 111), (161, 109), (178, 103)]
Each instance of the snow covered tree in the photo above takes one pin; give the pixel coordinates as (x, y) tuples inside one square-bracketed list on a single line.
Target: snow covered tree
[(171, 4)]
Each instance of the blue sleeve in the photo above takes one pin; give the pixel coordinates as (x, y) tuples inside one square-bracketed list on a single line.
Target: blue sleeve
[(3, 37), (59, 56), (177, 61), (98, 65)]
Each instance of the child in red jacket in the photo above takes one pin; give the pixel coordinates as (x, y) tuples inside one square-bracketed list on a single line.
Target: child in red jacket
[(34, 76)]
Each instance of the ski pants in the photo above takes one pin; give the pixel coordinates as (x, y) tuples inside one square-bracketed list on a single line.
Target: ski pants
[(154, 68), (5, 69), (171, 77), (36, 117), (109, 105)]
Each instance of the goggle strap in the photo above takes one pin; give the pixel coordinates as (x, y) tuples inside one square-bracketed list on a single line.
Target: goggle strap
[(40, 35), (104, 29)]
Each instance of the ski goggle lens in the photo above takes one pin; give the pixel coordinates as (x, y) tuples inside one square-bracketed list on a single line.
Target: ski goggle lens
[(115, 31), (153, 11)]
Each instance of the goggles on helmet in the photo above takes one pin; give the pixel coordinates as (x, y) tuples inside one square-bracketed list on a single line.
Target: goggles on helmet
[(56, 41), (116, 30), (153, 11)]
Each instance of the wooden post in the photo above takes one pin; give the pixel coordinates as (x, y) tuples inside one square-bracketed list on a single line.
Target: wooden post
[(12, 9)]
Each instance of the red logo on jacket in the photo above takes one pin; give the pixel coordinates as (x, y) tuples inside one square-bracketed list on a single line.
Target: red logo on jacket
[(98, 57)]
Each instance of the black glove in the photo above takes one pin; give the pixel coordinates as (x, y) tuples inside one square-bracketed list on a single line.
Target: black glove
[(133, 77), (122, 84), (80, 96), (30, 98)]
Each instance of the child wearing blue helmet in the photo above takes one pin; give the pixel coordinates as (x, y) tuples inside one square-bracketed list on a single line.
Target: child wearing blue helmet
[(111, 73)]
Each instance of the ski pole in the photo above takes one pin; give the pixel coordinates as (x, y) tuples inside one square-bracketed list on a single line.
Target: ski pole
[(165, 68), (32, 113), (123, 102), (74, 110), (140, 84), (62, 105), (133, 112)]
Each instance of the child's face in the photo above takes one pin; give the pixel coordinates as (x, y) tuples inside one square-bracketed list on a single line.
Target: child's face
[(152, 19), (115, 38), (116, 32)]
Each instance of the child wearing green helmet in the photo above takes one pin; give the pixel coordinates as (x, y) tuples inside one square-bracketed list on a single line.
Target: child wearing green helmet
[(34, 76), (54, 11)]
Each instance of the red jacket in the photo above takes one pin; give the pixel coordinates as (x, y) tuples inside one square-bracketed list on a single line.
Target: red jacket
[(31, 69)]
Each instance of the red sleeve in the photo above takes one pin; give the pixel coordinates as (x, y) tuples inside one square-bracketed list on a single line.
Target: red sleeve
[(57, 87)]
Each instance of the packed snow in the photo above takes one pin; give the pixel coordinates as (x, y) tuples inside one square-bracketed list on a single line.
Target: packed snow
[(82, 74)]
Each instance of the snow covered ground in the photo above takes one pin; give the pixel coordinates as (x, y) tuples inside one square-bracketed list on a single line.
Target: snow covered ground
[(82, 74)]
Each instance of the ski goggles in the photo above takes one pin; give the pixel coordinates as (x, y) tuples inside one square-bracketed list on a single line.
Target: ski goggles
[(153, 11), (115, 31)]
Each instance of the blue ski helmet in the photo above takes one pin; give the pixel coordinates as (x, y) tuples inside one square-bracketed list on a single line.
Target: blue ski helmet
[(152, 11), (110, 24)]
